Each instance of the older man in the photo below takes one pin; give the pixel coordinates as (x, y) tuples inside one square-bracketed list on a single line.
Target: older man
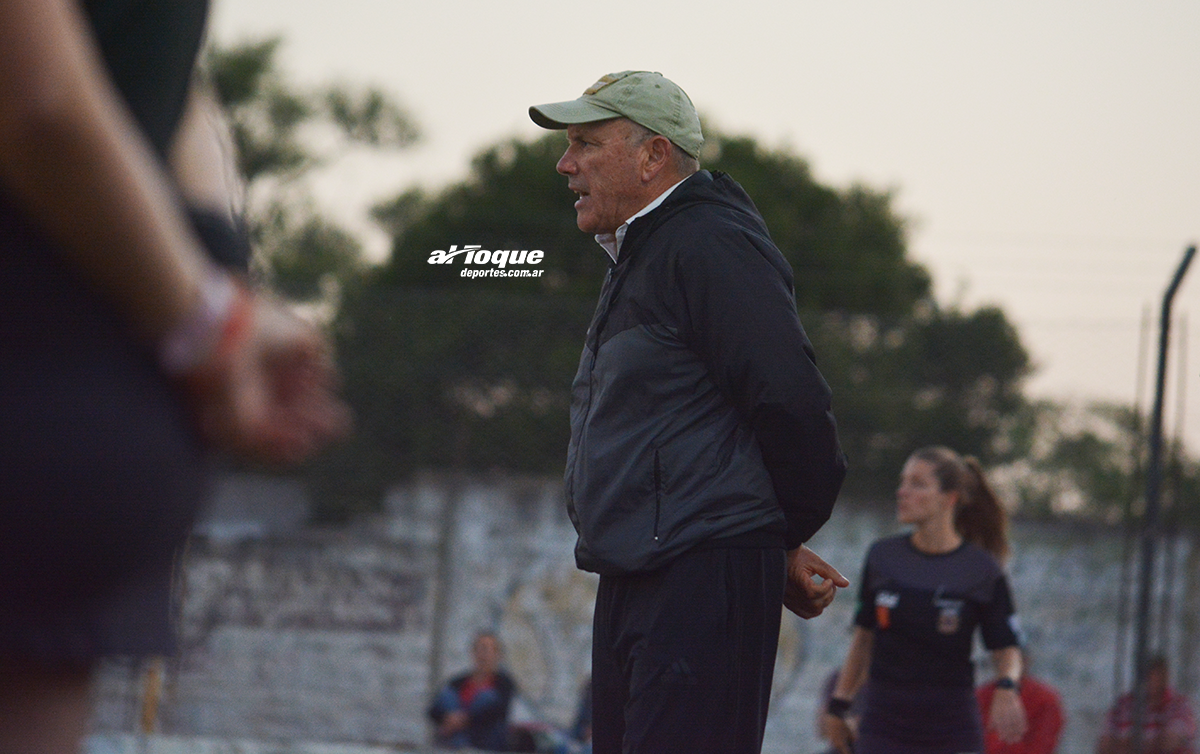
[(703, 450)]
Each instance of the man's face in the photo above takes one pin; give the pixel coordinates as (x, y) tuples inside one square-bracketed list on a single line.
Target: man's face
[(602, 166), (487, 654)]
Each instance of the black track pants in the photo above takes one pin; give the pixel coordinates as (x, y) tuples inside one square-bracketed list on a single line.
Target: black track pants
[(682, 658)]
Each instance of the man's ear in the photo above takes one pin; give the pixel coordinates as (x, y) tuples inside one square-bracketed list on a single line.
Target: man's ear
[(655, 157)]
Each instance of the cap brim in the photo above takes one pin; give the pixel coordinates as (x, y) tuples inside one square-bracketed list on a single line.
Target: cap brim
[(559, 115)]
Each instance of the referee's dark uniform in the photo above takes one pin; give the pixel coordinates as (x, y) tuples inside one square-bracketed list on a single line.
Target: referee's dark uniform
[(923, 610)]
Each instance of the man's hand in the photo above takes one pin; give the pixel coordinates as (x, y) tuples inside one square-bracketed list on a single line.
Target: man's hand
[(803, 595), (274, 398)]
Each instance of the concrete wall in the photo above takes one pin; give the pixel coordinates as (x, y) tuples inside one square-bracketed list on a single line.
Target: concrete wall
[(341, 636)]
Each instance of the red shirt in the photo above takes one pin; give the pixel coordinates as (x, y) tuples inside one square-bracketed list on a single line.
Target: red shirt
[(1043, 710), (1173, 716), (473, 686)]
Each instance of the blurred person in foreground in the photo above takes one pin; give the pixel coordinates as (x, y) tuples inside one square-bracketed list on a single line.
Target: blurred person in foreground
[(131, 346), (703, 451), (1168, 725), (472, 709), (922, 596), (1043, 712)]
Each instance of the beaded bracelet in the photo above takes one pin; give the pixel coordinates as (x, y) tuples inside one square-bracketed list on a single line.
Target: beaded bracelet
[(214, 329)]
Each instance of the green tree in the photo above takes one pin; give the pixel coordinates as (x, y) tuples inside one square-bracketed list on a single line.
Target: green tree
[(847, 248), (456, 380), (475, 375), (275, 127), (1089, 461), (933, 377), (512, 199)]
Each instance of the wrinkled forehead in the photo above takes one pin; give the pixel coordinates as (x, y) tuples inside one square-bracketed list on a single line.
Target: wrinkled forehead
[(611, 128)]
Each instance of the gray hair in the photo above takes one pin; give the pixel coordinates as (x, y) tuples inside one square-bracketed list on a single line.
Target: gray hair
[(683, 162)]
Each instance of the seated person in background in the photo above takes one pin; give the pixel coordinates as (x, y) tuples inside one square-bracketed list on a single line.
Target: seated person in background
[(1043, 711), (472, 709), (1167, 725)]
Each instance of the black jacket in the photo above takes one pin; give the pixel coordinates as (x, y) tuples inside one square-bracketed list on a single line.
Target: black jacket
[(697, 412)]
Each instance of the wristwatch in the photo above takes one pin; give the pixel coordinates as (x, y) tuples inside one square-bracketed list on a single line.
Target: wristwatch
[(1006, 683)]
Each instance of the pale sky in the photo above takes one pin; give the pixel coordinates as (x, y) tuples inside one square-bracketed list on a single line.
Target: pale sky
[(1046, 152)]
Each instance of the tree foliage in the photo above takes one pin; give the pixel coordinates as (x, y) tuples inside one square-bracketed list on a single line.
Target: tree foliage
[(276, 127), (512, 199), (456, 380), (474, 374), (1091, 461), (933, 377), (846, 248)]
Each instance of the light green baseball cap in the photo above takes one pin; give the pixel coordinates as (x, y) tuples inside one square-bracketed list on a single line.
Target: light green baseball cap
[(646, 98)]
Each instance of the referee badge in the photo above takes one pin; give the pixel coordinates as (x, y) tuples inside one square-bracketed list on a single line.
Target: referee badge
[(884, 602), (949, 615)]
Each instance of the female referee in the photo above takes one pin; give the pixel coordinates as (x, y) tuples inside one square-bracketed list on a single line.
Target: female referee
[(921, 597)]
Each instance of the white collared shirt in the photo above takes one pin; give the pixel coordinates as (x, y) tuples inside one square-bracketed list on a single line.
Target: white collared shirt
[(611, 242)]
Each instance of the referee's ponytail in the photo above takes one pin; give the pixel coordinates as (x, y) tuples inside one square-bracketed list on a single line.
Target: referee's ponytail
[(979, 516)]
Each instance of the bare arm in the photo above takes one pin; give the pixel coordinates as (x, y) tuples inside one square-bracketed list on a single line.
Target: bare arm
[(1007, 715), (203, 158), (854, 670), (1007, 663), (75, 162), (850, 679), (259, 381)]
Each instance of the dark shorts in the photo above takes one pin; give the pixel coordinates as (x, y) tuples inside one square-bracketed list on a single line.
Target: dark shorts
[(100, 473), (919, 720)]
